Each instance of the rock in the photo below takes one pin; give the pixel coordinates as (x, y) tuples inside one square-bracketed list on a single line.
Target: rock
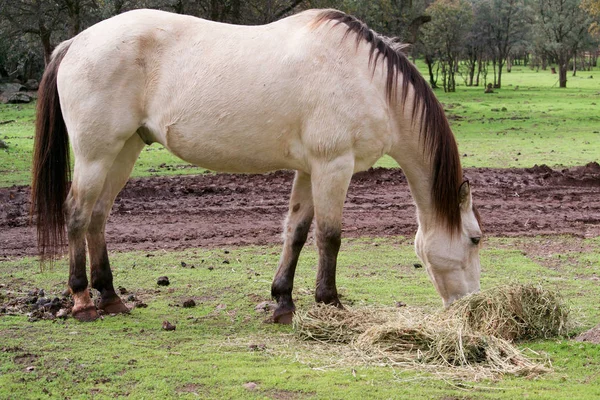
[(167, 326), (400, 304), (18, 98), (131, 297), (265, 306), (257, 347), (11, 88), (32, 85), (250, 386), (62, 313), (189, 303), (3, 145), (163, 281)]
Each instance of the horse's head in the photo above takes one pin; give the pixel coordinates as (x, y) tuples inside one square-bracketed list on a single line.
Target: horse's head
[(452, 259)]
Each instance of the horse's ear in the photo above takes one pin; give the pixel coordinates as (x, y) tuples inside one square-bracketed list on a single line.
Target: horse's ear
[(464, 196)]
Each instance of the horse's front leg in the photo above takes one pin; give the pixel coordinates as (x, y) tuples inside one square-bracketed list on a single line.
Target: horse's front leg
[(297, 226), (329, 186)]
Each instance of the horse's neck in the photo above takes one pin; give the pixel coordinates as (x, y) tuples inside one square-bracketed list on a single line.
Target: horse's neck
[(409, 154)]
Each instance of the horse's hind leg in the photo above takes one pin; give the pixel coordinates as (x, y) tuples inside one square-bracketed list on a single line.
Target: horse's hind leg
[(329, 187), (297, 225), (93, 160), (102, 279)]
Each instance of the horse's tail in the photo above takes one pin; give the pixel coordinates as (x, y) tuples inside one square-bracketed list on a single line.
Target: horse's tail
[(51, 164)]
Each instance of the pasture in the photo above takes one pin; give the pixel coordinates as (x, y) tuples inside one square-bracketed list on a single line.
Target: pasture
[(538, 123), (224, 344)]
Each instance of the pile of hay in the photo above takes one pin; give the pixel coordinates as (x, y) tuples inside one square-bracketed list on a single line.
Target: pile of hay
[(475, 333), (512, 312)]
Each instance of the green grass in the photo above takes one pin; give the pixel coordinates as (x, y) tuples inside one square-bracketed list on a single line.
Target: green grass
[(541, 124), (209, 355)]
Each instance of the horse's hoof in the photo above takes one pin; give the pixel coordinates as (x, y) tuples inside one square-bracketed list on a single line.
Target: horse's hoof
[(283, 315), (114, 306), (85, 314)]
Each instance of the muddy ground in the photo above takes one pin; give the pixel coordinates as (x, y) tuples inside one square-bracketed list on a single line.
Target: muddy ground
[(223, 210)]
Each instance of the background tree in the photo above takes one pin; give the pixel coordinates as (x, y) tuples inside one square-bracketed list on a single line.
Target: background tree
[(504, 24), (561, 29), (446, 34)]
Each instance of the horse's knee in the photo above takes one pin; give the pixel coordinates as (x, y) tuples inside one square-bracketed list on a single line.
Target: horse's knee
[(329, 239), (300, 234)]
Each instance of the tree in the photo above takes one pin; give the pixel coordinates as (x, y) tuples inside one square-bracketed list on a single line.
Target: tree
[(40, 18), (445, 36), (561, 28), (504, 24)]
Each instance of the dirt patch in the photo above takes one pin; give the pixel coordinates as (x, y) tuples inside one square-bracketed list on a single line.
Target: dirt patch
[(222, 210), (591, 336)]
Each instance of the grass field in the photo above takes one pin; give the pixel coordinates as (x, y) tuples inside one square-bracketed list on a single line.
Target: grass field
[(530, 121), (224, 343)]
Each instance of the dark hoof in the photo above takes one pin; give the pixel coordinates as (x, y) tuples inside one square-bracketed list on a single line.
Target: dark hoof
[(331, 301), (283, 315), (86, 314), (114, 306)]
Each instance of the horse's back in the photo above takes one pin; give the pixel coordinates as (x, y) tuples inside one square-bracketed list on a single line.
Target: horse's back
[(226, 97)]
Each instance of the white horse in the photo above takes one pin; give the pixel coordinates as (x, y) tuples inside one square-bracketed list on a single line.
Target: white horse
[(317, 92)]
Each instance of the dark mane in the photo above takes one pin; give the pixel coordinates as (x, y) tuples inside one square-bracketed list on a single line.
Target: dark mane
[(435, 133)]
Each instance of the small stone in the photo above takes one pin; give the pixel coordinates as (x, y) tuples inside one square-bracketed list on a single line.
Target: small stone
[(163, 281), (122, 290), (41, 293), (265, 306), (131, 297), (417, 265), (257, 347), (167, 326), (250, 386), (225, 261), (183, 264), (31, 368), (400, 304), (189, 303), (3, 145), (211, 268), (62, 313)]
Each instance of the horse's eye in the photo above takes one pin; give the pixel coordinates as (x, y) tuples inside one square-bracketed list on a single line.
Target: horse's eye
[(475, 240)]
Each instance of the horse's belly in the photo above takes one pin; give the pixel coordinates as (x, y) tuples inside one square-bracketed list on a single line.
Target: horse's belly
[(230, 151)]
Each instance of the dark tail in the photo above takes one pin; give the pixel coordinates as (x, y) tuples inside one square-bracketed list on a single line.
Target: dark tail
[(51, 164)]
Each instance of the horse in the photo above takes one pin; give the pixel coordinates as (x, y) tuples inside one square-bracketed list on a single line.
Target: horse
[(317, 92)]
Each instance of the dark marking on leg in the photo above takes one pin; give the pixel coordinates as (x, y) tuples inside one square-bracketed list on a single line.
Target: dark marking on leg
[(102, 279), (283, 284), (329, 241), (83, 309)]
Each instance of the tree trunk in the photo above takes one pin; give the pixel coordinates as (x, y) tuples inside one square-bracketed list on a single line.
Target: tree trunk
[(562, 75), (574, 63), (499, 82), (45, 38), (432, 80)]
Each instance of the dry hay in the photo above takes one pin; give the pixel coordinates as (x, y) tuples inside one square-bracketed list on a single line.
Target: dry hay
[(471, 339), (512, 312)]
